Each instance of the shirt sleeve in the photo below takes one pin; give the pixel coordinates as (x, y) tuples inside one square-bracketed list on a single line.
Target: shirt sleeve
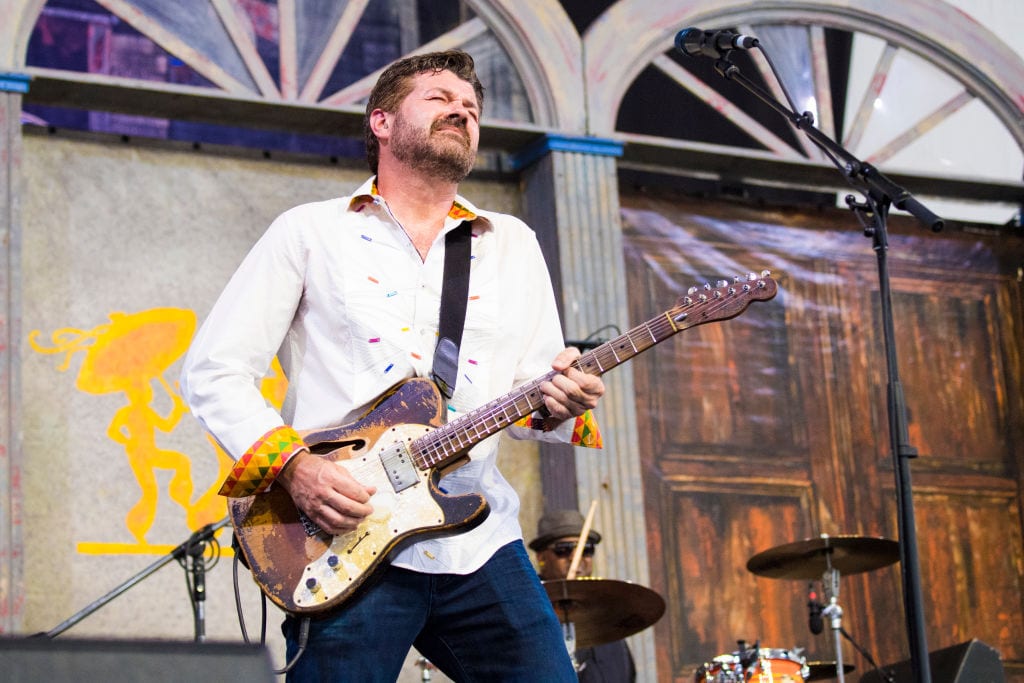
[(234, 347), (542, 341)]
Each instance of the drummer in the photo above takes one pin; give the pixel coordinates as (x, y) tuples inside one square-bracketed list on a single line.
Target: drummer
[(557, 535)]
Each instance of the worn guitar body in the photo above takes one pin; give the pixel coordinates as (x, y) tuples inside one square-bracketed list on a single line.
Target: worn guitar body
[(303, 569), (403, 445)]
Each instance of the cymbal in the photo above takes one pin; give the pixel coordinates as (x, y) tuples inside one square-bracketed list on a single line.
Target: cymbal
[(604, 610), (823, 671), (810, 558)]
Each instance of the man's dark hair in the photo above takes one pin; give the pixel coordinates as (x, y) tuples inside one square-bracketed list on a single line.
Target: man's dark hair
[(395, 83)]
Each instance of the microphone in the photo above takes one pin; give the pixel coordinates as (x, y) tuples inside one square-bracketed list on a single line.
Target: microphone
[(693, 42), (814, 621)]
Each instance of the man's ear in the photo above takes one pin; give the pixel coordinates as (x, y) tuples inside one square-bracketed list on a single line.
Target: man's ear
[(380, 123)]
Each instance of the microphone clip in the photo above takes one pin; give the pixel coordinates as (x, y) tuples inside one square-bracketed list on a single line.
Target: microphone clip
[(694, 42)]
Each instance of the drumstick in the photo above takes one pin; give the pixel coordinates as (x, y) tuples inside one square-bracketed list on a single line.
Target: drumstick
[(584, 534)]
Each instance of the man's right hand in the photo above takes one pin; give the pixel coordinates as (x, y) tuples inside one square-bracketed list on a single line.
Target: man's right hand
[(328, 494)]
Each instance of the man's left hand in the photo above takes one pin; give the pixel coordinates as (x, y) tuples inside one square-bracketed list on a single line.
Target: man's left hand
[(571, 392)]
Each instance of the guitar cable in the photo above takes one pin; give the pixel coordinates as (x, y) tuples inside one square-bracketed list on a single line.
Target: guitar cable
[(303, 639), (238, 596), (303, 625)]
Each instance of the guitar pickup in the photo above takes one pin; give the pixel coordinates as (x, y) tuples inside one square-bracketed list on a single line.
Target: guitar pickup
[(309, 526), (399, 467)]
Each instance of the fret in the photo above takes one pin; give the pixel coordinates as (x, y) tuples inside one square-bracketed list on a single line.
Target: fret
[(622, 347), (505, 416), (615, 355), (629, 336), (654, 339), (497, 423), (456, 438)]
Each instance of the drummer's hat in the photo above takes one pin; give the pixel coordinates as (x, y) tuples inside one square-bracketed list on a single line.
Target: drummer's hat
[(559, 524)]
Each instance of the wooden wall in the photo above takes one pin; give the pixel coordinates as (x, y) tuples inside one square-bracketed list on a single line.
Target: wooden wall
[(772, 428)]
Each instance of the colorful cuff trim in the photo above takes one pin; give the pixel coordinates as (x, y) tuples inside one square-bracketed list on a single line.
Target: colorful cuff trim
[(531, 422), (586, 432), (259, 466)]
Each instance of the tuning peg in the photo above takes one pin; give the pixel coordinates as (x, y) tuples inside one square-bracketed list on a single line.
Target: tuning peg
[(722, 283), (692, 290)]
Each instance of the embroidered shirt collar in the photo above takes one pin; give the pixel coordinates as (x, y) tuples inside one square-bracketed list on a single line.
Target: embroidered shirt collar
[(461, 209)]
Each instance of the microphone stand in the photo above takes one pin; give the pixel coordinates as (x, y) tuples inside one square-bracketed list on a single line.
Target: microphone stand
[(194, 548), (835, 615), (880, 193), (193, 561)]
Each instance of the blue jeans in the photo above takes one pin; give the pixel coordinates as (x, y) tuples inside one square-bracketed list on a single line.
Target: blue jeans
[(495, 624)]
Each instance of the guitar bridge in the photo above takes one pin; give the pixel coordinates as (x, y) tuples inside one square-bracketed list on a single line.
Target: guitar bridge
[(399, 467)]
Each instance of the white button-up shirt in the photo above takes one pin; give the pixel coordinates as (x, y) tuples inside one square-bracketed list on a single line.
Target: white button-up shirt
[(338, 291)]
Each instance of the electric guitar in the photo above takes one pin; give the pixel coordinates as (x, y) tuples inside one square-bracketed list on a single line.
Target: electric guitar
[(403, 447)]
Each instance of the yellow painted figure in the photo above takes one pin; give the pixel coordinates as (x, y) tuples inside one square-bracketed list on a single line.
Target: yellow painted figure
[(130, 355)]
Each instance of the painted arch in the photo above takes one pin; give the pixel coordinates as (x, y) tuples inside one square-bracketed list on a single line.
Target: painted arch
[(956, 45), (542, 45)]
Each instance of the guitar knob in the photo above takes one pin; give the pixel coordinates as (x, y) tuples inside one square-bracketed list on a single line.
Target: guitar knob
[(333, 563), (313, 585)]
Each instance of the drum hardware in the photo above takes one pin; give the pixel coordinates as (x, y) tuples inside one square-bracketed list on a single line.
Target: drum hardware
[(426, 666), (828, 557), (569, 637), (597, 611), (823, 671), (755, 665), (808, 559)]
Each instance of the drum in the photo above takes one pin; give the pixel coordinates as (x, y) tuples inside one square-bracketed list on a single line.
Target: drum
[(772, 665)]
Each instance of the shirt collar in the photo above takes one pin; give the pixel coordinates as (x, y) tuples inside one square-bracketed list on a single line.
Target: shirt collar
[(461, 210)]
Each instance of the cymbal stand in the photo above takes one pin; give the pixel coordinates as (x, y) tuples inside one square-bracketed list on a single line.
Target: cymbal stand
[(569, 635), (424, 665), (830, 580), (562, 608)]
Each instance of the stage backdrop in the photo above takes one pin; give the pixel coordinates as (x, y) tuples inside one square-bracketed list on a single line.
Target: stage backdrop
[(771, 428)]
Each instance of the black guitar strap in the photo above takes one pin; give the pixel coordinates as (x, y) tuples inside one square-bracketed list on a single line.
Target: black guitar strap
[(454, 297)]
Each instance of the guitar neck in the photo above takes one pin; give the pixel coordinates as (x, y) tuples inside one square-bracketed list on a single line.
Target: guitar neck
[(450, 442)]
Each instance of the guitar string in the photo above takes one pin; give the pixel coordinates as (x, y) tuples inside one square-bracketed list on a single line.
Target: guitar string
[(433, 448)]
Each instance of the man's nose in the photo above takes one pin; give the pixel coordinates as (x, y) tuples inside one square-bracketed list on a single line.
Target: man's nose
[(457, 114)]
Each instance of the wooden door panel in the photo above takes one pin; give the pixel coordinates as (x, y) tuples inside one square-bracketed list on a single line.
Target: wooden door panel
[(711, 528), (969, 540), (717, 390), (947, 342)]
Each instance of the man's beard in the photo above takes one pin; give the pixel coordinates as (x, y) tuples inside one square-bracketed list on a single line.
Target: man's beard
[(442, 156)]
